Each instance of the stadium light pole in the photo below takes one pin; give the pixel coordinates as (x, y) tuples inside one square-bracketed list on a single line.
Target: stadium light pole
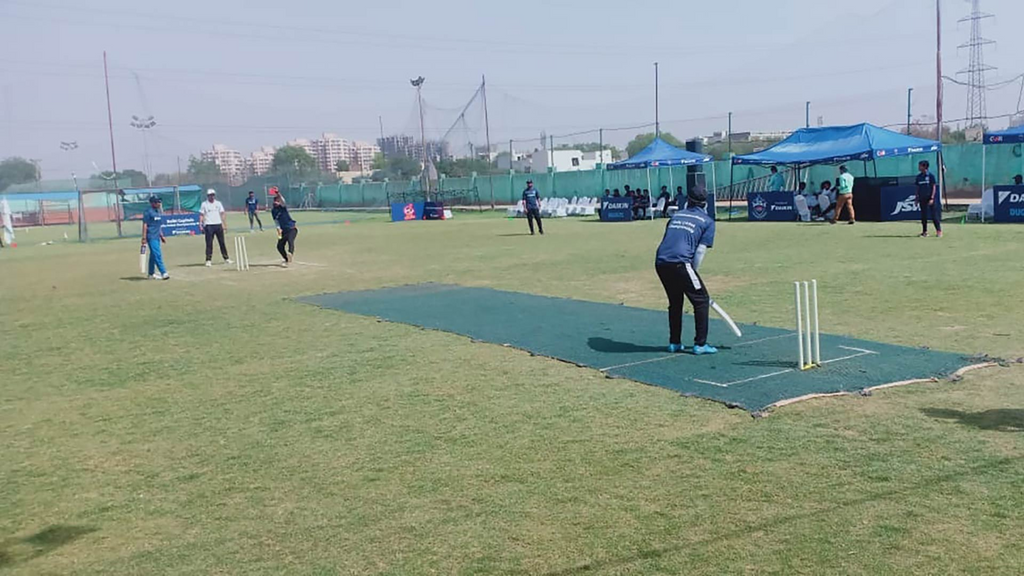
[(657, 123), (143, 125), (807, 115), (910, 92), (70, 148), (418, 84)]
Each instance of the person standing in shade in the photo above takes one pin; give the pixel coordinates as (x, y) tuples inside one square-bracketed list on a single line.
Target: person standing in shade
[(680, 198), (252, 208), (844, 196), (214, 224), (1018, 180), (927, 198), (152, 237), (777, 182), (286, 229), (688, 235), (531, 200)]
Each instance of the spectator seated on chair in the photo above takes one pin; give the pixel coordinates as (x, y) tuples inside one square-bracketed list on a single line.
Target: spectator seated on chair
[(667, 198), (824, 203)]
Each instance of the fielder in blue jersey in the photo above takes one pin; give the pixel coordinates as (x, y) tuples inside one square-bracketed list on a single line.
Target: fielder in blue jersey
[(252, 207), (153, 236), (689, 233), (531, 202)]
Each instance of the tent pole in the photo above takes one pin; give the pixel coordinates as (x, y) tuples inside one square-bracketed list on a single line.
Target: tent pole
[(714, 190), (983, 180), (649, 187), (731, 190)]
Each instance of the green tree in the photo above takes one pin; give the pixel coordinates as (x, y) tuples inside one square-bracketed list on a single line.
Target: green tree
[(463, 167), (17, 171), (164, 180), (203, 171), (641, 141), (293, 161), (137, 179), (397, 168), (342, 166)]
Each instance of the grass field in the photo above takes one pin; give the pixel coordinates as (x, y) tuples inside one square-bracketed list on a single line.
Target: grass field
[(210, 424)]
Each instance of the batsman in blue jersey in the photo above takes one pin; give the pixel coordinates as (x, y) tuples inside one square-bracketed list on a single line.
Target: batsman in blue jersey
[(689, 233)]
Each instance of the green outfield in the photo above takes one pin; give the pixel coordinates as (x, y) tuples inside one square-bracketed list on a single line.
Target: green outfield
[(214, 423)]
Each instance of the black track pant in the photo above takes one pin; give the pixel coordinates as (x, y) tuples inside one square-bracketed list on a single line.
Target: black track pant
[(682, 280), (217, 230), (258, 221), (287, 237), (531, 214), (936, 212)]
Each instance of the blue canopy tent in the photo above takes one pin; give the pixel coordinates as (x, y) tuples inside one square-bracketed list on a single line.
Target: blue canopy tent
[(835, 144), (659, 154), (1014, 136), (1009, 136), (838, 144)]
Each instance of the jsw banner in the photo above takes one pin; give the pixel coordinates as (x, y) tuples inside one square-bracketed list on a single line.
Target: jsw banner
[(899, 203), (180, 224), (1009, 203), (771, 207)]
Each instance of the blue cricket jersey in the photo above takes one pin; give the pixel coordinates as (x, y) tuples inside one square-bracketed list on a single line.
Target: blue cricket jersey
[(531, 197), (283, 218), (153, 219), (925, 181), (686, 230), (251, 204)]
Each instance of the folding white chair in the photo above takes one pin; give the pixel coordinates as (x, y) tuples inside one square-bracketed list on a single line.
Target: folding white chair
[(800, 201)]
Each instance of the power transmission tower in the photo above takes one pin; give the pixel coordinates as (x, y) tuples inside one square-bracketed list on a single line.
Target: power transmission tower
[(975, 71)]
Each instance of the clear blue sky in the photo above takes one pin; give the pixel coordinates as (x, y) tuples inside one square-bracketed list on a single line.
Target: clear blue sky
[(251, 73)]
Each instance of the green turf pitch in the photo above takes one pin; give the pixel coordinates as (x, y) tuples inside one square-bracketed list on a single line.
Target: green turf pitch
[(753, 372)]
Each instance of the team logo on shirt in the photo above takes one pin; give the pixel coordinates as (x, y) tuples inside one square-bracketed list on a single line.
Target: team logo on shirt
[(760, 207)]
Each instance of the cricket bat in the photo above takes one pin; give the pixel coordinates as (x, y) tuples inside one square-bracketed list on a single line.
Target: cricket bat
[(728, 320), (142, 259)]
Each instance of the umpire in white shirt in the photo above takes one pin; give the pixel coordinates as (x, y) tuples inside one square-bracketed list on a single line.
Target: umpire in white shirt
[(213, 223)]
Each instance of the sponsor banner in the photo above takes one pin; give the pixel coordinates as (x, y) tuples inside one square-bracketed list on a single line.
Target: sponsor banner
[(616, 209), (433, 211), (771, 207), (899, 203), (180, 224), (1009, 203), (406, 211)]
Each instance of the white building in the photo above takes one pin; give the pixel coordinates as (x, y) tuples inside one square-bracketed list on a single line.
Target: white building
[(330, 149), (520, 161), (362, 156), (230, 162), (568, 160), (307, 145), (259, 162)]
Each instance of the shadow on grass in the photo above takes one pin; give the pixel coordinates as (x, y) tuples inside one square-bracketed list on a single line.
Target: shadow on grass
[(514, 235), (615, 347), (779, 521), (903, 236), (42, 542), (134, 278), (1000, 419)]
